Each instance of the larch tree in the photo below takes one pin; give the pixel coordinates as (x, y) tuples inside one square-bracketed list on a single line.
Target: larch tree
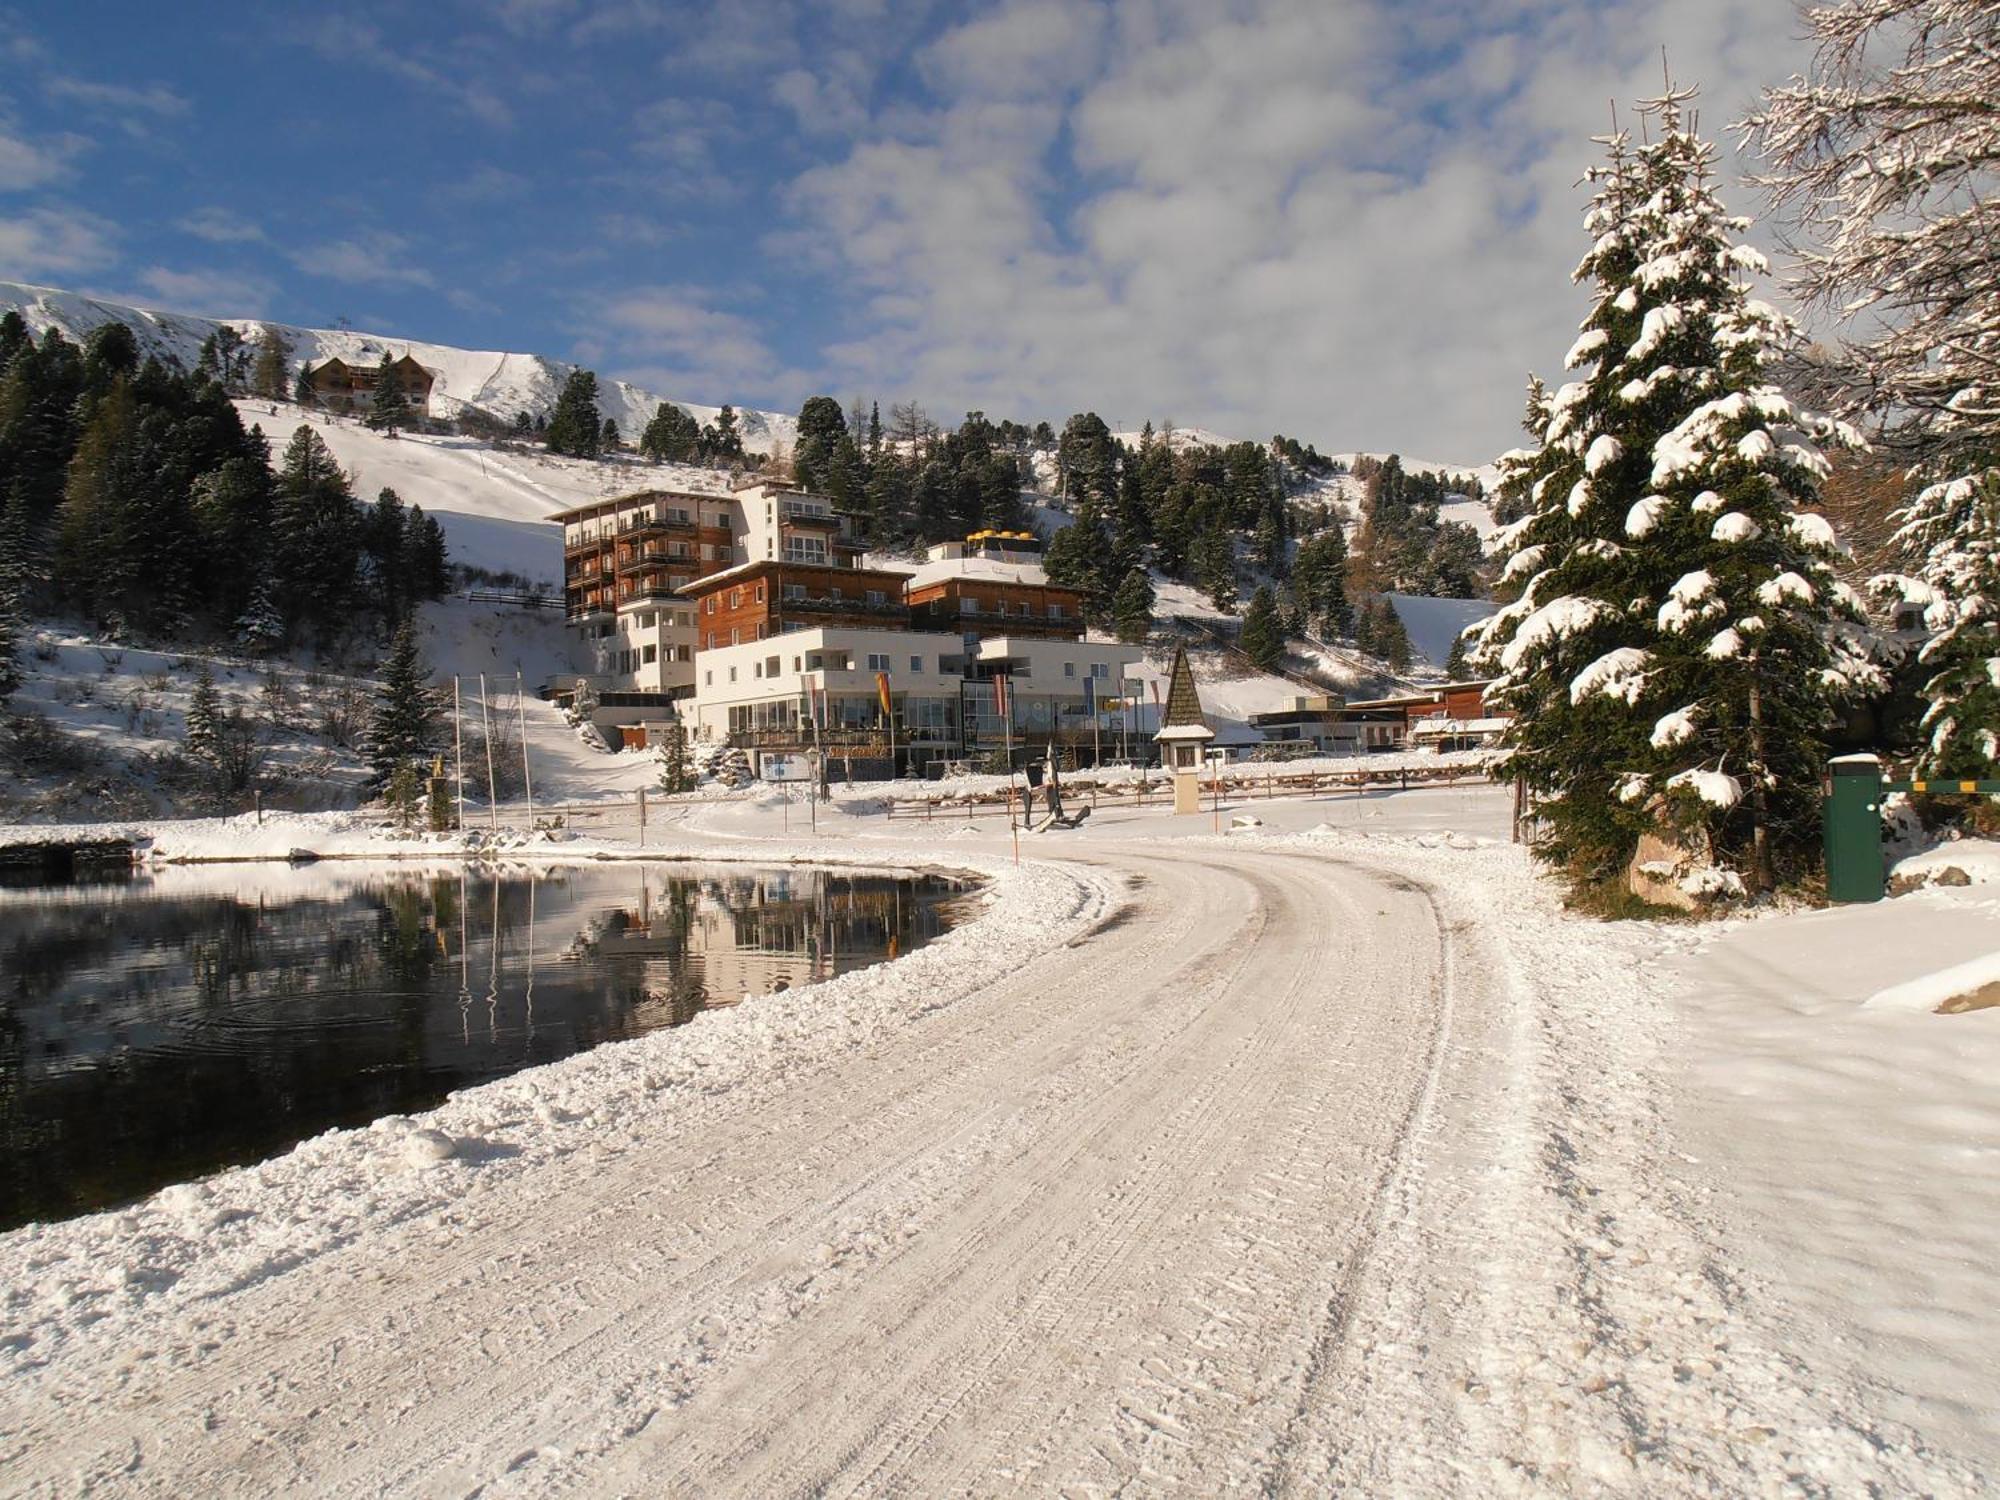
[(1887, 160), (1680, 643)]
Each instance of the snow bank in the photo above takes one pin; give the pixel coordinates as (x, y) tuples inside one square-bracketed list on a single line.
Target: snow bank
[(1928, 991)]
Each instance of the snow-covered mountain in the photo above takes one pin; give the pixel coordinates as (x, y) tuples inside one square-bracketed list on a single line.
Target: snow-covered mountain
[(496, 382)]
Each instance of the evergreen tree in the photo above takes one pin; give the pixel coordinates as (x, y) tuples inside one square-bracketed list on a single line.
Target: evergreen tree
[(14, 548), (315, 534), (203, 740), (821, 427), (1680, 642), (676, 764), (1132, 607), (610, 441), (260, 629), (1261, 639), (302, 388), (575, 427), (270, 375), (403, 729), (1214, 563), (1088, 458), (390, 408), (1456, 667), (1389, 637), (425, 564), (671, 435), (1080, 557), (1319, 577)]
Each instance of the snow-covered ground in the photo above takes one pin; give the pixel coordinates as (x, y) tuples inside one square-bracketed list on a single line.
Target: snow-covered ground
[(1327, 1154)]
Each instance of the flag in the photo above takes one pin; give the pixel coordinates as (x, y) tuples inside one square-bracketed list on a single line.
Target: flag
[(1000, 694), (1090, 695), (1154, 684), (882, 692)]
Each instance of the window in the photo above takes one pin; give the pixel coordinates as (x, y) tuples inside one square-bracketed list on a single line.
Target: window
[(772, 665), (798, 664), (649, 655), (795, 591), (732, 674), (1100, 670), (648, 619), (878, 661), (760, 593), (1069, 669), (711, 640), (1055, 611), (708, 605), (736, 598), (916, 664), (876, 596), (735, 634)]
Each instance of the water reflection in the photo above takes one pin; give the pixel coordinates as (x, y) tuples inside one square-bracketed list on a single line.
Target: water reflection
[(158, 1030)]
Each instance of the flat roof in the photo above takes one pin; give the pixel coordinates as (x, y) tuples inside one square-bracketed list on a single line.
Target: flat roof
[(636, 497)]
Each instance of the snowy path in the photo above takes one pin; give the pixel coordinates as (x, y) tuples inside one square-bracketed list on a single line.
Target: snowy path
[(1091, 1222), (1311, 1160)]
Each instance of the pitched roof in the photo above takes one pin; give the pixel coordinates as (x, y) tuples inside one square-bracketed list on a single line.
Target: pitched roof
[(1183, 703)]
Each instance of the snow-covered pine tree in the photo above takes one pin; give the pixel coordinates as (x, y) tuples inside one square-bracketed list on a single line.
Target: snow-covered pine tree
[(1680, 640), (260, 629), (1952, 533), (1891, 173), (204, 720), (676, 764), (403, 727)]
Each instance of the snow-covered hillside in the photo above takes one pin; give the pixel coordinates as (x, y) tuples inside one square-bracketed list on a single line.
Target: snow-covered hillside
[(491, 381), (493, 502)]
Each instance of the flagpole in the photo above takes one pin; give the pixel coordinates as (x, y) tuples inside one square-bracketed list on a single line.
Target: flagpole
[(458, 749)]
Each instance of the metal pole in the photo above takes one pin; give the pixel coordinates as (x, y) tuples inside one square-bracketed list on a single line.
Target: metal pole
[(521, 713), (492, 790), (458, 748), (642, 817)]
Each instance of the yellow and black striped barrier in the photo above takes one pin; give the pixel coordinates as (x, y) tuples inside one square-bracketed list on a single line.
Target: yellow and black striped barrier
[(1852, 818)]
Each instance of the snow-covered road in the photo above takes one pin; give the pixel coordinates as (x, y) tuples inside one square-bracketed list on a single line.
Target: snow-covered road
[(1315, 1158), (1101, 1219)]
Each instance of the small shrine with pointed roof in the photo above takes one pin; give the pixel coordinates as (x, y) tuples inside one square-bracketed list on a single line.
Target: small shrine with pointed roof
[(1184, 735)]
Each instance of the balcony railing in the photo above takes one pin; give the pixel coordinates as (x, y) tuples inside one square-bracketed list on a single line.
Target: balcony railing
[(886, 610), (653, 557)]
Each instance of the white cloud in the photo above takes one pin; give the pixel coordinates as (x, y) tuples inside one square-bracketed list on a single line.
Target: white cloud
[(155, 99), (54, 242), (1353, 222), (665, 327), (221, 294), (26, 164), (219, 226), (376, 258)]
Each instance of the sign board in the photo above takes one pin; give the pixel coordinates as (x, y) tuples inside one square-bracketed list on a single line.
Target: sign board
[(787, 768)]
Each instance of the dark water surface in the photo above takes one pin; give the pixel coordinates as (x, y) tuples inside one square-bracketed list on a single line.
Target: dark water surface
[(155, 1029)]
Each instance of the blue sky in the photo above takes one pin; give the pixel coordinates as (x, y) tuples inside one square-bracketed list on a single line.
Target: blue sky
[(1347, 220)]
